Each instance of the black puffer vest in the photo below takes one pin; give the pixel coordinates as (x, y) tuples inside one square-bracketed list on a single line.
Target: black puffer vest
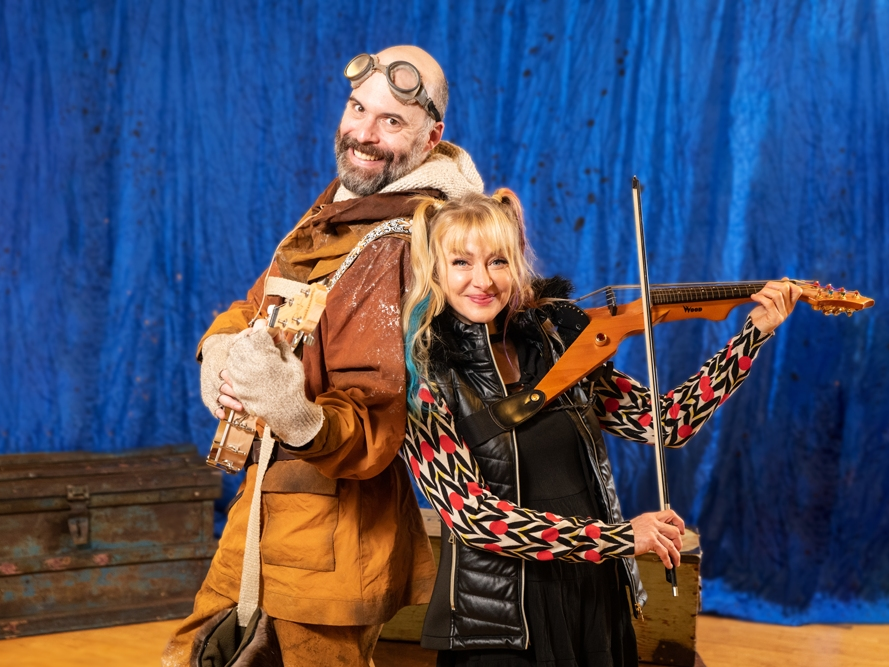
[(478, 597)]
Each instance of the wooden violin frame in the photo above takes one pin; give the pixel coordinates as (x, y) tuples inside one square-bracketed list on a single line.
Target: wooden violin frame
[(295, 319), (610, 325)]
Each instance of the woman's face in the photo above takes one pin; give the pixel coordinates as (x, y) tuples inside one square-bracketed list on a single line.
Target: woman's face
[(477, 282)]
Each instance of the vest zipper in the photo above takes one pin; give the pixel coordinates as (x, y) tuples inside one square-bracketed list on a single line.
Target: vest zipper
[(518, 492), (608, 509), (635, 602), (453, 542)]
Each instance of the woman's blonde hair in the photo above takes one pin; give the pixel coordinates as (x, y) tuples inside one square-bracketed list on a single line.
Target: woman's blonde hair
[(440, 227)]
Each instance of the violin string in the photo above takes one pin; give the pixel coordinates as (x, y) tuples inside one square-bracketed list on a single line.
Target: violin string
[(667, 286)]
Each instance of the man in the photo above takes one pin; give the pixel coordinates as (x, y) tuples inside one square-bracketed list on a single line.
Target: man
[(343, 545)]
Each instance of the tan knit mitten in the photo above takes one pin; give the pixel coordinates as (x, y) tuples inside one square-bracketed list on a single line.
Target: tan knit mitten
[(269, 381), (214, 359)]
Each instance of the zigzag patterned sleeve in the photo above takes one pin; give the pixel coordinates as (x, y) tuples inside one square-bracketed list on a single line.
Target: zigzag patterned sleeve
[(623, 406), (449, 477)]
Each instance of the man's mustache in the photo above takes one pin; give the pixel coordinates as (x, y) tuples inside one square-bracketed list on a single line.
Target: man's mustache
[(367, 149)]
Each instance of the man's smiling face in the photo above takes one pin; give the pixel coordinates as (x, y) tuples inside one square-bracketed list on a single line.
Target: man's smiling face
[(380, 139)]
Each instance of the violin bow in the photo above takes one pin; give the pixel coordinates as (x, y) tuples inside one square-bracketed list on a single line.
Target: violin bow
[(657, 421)]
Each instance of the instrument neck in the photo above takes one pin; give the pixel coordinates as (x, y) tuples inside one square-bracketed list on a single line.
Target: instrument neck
[(698, 293)]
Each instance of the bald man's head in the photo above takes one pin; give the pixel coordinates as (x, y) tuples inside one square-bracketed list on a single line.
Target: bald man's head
[(382, 137), (431, 72)]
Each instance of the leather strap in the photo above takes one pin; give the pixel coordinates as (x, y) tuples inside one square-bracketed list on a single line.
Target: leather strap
[(279, 453), (502, 415)]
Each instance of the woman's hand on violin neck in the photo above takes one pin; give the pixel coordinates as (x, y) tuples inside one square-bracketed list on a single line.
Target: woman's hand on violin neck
[(776, 301), (660, 532)]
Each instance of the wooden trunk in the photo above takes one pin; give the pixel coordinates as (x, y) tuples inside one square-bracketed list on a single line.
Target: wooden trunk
[(666, 634), (90, 540)]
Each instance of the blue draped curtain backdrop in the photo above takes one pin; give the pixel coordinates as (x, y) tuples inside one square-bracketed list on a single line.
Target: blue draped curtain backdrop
[(152, 153)]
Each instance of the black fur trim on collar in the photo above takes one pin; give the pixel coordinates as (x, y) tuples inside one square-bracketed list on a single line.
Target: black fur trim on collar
[(556, 287)]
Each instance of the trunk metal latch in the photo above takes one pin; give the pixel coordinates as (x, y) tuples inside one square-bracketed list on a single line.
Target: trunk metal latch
[(79, 516)]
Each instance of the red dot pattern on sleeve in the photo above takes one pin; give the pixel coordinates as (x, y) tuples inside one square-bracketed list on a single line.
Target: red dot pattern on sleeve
[(450, 479), (456, 501), (499, 527), (706, 389), (621, 403), (426, 451), (447, 444)]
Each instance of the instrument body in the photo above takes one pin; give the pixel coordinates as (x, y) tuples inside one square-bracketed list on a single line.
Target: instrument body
[(296, 319)]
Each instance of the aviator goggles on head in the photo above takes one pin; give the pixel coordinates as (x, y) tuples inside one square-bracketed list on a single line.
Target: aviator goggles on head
[(403, 79)]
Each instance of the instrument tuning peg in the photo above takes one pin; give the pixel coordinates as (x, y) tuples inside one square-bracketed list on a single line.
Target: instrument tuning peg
[(310, 340)]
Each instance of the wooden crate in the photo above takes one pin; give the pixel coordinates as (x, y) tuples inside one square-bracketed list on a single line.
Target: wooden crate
[(666, 635), (91, 540)]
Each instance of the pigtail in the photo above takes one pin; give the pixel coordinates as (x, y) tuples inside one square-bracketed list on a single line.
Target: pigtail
[(423, 300), (509, 200), (523, 295)]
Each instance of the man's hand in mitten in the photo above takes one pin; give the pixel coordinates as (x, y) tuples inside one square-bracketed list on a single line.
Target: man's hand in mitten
[(269, 381), (214, 360)]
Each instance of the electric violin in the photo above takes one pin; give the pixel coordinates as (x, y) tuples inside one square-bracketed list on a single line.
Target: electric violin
[(613, 323)]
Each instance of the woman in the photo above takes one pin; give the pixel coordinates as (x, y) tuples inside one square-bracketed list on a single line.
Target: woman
[(537, 567)]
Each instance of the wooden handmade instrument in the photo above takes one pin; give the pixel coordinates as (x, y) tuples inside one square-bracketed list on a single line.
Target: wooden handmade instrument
[(297, 316), (611, 324)]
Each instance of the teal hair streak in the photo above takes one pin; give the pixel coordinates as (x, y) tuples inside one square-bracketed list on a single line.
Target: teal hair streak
[(413, 375)]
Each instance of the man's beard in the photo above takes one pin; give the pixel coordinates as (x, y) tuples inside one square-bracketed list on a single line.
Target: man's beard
[(362, 183)]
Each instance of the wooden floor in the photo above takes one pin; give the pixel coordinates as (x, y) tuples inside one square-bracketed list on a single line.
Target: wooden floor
[(721, 643)]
